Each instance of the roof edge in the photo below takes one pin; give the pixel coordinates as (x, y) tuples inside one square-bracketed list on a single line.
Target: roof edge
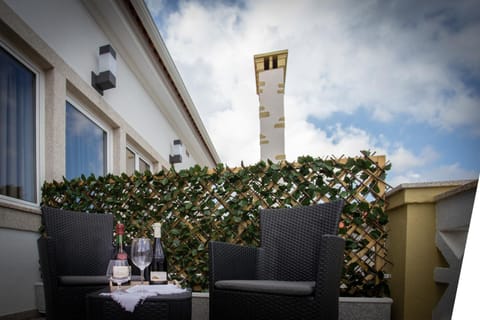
[(158, 45), (432, 184)]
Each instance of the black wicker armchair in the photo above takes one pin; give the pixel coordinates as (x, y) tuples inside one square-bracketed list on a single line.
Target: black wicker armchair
[(74, 258), (295, 274)]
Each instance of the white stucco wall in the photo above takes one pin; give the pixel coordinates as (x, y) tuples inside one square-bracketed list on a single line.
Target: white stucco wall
[(68, 28), (19, 270)]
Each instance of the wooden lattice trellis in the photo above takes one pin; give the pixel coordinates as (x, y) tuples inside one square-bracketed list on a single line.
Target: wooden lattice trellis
[(200, 204)]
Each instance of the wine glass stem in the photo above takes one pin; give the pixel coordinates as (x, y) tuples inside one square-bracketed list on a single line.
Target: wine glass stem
[(141, 276)]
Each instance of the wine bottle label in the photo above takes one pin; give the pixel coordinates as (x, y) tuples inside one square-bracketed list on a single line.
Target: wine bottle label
[(158, 276), (157, 230), (121, 271)]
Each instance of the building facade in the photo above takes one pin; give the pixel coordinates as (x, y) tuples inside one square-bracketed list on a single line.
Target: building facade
[(427, 222), (54, 123)]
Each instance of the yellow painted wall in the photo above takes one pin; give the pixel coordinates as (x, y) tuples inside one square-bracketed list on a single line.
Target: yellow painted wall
[(412, 250), (396, 253), (421, 291)]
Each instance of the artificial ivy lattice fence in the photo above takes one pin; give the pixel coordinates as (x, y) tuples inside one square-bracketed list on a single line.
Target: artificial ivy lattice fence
[(201, 204)]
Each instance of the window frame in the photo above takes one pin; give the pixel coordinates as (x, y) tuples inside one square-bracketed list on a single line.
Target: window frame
[(98, 122), (138, 155), (39, 129)]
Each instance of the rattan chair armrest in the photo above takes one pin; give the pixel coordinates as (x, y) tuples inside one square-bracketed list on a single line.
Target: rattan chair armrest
[(329, 268), (231, 262)]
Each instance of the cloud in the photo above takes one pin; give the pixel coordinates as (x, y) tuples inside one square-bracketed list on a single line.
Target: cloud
[(303, 138), (404, 159), (433, 174), (423, 167), (397, 61)]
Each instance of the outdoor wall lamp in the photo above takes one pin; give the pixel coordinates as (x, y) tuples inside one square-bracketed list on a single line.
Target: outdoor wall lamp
[(107, 69), (176, 150)]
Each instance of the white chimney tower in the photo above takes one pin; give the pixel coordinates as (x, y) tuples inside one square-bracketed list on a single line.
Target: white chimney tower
[(270, 71)]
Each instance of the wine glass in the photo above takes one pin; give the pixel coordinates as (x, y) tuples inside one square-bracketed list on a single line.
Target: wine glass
[(141, 254), (119, 272)]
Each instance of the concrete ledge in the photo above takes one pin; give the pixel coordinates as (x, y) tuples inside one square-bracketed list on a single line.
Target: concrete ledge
[(360, 308), (365, 300), (356, 308), (200, 306)]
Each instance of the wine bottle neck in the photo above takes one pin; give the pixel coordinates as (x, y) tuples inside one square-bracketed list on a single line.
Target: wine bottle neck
[(121, 254)]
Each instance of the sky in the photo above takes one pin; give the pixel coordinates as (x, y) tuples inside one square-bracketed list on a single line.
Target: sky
[(399, 78)]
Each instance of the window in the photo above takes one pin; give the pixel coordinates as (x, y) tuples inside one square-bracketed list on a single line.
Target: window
[(130, 162), (143, 165), (135, 162), (18, 137), (86, 145)]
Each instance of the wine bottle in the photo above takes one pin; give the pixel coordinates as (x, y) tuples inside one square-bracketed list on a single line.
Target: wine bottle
[(158, 267), (119, 269), (121, 253)]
